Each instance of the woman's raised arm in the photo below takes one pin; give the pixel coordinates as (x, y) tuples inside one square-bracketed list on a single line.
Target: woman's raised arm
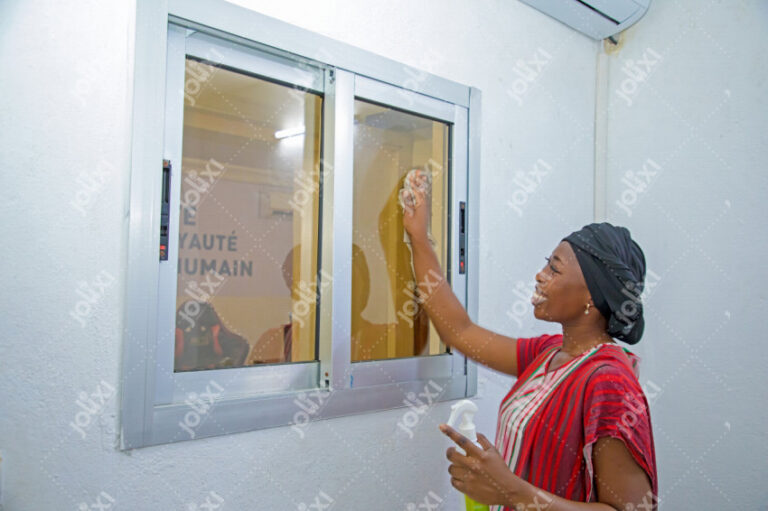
[(451, 320)]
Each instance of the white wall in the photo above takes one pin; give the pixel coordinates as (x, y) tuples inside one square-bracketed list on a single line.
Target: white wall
[(65, 118), (702, 116)]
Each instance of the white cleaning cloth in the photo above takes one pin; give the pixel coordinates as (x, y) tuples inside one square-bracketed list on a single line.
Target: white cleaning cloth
[(407, 199)]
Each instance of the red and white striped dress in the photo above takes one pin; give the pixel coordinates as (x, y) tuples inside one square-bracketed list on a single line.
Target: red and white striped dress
[(550, 420)]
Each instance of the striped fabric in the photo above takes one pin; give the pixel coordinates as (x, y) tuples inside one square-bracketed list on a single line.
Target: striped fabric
[(550, 420)]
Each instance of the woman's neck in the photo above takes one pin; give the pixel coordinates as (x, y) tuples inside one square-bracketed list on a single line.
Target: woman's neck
[(578, 338)]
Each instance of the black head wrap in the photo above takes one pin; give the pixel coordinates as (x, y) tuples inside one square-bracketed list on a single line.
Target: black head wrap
[(614, 268)]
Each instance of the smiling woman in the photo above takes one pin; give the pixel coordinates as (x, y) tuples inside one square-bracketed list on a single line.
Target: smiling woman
[(574, 432)]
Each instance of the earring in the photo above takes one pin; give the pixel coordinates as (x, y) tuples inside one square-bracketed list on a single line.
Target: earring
[(586, 311)]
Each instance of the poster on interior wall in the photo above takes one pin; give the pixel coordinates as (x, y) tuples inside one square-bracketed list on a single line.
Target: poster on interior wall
[(231, 294)]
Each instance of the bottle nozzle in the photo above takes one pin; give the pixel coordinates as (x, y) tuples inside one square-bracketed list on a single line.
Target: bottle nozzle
[(464, 409)]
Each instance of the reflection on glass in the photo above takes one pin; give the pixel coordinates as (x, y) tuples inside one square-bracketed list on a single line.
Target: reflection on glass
[(387, 321), (248, 222)]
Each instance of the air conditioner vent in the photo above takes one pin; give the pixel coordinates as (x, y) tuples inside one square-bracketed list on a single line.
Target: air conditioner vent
[(597, 19)]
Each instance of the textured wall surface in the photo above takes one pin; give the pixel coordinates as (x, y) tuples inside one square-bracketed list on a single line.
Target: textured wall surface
[(65, 124), (686, 100), (684, 115)]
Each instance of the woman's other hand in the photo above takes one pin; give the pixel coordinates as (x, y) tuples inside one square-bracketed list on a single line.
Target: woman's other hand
[(482, 474)]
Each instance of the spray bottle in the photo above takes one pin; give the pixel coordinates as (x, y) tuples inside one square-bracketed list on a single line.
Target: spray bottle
[(466, 409)]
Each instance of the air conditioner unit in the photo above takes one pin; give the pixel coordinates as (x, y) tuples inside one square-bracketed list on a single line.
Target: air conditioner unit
[(598, 19)]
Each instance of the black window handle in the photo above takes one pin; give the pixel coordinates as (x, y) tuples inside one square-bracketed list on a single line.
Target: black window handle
[(462, 238), (165, 210)]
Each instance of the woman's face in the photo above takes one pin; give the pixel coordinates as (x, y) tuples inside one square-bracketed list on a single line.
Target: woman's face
[(561, 293)]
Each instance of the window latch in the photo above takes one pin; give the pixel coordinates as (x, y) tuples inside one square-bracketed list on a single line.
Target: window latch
[(462, 238), (165, 209)]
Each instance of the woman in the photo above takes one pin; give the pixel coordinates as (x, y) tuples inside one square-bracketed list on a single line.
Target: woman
[(574, 432)]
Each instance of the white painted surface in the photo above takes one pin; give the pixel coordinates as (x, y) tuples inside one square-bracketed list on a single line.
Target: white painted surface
[(702, 115), (64, 111)]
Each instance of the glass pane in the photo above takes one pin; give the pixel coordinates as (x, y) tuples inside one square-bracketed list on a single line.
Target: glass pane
[(386, 319), (248, 221)]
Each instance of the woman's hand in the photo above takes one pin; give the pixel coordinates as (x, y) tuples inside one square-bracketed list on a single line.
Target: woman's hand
[(416, 204), (482, 474)]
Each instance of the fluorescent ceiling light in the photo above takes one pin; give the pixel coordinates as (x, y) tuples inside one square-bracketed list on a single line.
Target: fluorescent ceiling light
[(290, 132)]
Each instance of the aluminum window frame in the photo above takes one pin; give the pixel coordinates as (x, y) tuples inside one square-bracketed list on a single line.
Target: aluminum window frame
[(171, 386), (380, 372), (152, 409)]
